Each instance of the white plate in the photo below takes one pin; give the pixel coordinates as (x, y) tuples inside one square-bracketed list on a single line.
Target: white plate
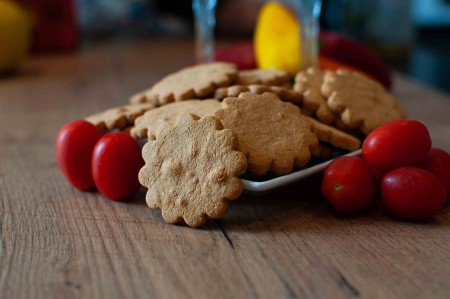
[(255, 187)]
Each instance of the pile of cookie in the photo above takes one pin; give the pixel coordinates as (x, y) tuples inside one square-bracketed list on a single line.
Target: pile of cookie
[(208, 124)]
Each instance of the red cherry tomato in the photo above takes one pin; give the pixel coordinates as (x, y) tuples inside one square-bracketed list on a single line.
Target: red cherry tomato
[(377, 175), (438, 163), (348, 184), (74, 146), (116, 162), (396, 144), (412, 193)]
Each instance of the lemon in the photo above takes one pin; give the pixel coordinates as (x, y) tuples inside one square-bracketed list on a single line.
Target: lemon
[(15, 35), (277, 39)]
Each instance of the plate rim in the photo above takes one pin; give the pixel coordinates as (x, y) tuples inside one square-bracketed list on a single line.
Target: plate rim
[(264, 186)]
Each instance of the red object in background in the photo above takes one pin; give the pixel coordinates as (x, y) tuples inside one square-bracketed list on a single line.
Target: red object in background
[(336, 52), (241, 54), (352, 53), (326, 63), (54, 24)]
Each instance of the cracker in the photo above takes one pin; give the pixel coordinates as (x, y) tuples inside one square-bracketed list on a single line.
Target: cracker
[(283, 93), (334, 136), (322, 151), (195, 82), (191, 170), (147, 124), (118, 117), (139, 98), (361, 102), (272, 134), (127, 130), (308, 83), (341, 126), (264, 77)]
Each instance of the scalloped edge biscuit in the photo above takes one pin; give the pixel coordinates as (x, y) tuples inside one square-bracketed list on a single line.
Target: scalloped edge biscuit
[(309, 83), (147, 124), (361, 102), (118, 117), (285, 94), (194, 82), (334, 136), (272, 134), (323, 151), (263, 77), (191, 170)]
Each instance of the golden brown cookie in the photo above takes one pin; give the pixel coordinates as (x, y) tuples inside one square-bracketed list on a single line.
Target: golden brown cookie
[(334, 136), (118, 117), (341, 126), (147, 124), (272, 134), (194, 82), (323, 151), (283, 93), (361, 102), (191, 170), (139, 98), (127, 130), (264, 77), (308, 83)]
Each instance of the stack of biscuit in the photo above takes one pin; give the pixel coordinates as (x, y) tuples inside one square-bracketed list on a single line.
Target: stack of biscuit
[(208, 124)]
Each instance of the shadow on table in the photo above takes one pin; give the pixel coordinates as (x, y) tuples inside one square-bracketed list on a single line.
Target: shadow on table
[(26, 72), (301, 207), (296, 208)]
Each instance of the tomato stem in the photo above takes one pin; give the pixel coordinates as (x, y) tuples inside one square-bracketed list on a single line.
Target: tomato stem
[(337, 187)]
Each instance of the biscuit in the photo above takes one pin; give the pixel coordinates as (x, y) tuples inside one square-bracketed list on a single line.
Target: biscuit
[(272, 134), (264, 77), (334, 136), (341, 126), (147, 124), (127, 130), (118, 117), (322, 151), (283, 93), (191, 170), (139, 98), (361, 102), (308, 83), (194, 82)]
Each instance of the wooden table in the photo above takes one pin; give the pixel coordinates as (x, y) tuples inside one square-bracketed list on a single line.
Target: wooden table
[(57, 242)]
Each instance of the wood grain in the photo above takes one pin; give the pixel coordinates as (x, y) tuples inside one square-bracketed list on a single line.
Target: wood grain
[(57, 242)]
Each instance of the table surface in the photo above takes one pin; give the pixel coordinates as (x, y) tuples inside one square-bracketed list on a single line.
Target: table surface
[(58, 242)]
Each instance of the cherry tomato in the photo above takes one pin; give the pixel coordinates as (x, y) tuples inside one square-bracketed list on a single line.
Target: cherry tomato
[(377, 175), (438, 163), (348, 184), (74, 146), (116, 162), (396, 144), (412, 193)]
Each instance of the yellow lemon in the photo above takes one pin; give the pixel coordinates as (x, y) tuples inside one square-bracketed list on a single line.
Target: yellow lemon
[(277, 39), (15, 35)]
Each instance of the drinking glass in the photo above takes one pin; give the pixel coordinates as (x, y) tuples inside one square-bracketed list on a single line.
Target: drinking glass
[(205, 21), (306, 11)]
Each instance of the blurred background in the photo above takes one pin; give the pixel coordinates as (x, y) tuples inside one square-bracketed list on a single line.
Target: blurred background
[(411, 36)]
